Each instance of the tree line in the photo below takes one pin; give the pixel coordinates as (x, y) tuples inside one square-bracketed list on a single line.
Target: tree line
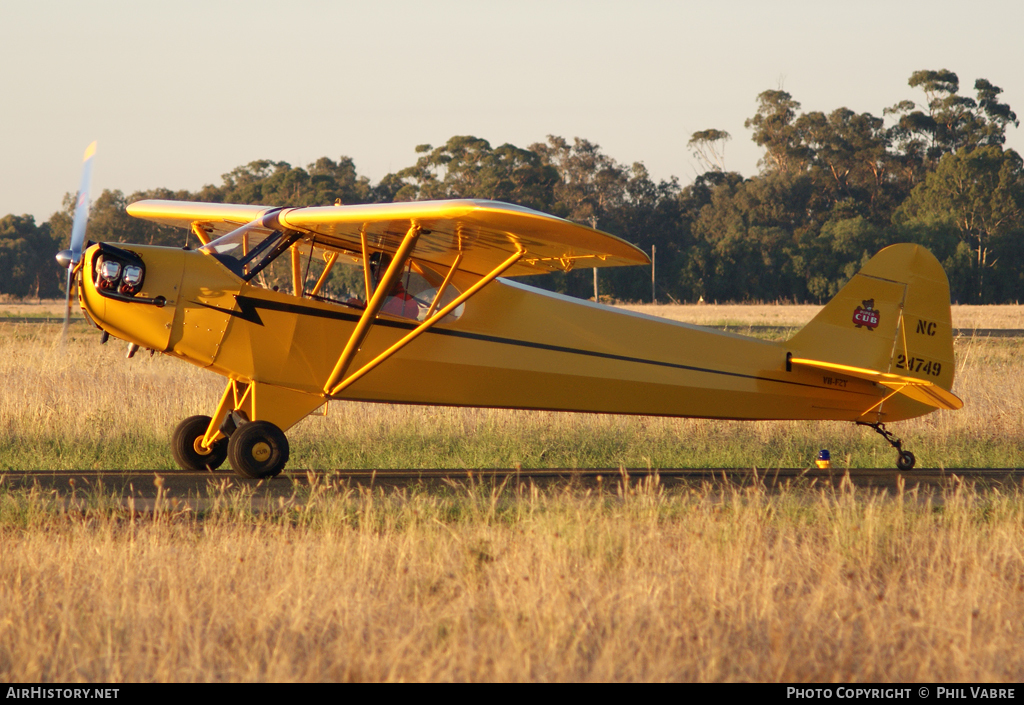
[(833, 189)]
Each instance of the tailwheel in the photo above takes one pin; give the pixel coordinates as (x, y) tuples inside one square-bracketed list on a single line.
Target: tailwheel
[(258, 449), (905, 460), (187, 448)]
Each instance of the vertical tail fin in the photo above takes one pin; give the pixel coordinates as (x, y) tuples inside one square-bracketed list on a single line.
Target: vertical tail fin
[(892, 318)]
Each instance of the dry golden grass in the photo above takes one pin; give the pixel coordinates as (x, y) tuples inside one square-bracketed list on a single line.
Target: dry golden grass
[(35, 307), (730, 314), (486, 585), (787, 316)]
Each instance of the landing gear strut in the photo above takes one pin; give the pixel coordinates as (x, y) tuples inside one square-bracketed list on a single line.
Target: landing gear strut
[(256, 448), (905, 460)]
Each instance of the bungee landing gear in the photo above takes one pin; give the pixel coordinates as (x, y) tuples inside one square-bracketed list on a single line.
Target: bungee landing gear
[(905, 460), (255, 449), (255, 446)]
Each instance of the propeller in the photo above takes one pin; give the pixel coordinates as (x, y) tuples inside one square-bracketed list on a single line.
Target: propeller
[(70, 258)]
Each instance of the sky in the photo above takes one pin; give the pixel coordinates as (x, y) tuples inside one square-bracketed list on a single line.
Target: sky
[(177, 94)]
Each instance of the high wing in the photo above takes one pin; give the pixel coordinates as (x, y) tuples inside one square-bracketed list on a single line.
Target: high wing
[(214, 219), (485, 233)]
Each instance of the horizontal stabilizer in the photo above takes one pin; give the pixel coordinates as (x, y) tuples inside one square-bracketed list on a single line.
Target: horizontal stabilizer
[(917, 389)]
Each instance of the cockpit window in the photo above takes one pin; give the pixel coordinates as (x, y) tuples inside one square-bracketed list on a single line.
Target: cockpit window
[(413, 296), (303, 266), (338, 277)]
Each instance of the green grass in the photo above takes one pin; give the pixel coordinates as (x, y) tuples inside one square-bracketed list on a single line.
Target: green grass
[(418, 439)]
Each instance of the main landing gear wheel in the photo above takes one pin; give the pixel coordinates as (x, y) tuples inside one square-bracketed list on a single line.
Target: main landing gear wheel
[(258, 449), (187, 449)]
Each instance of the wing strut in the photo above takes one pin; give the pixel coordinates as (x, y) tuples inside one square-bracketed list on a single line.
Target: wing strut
[(373, 306), (444, 286), (333, 389), (200, 232)]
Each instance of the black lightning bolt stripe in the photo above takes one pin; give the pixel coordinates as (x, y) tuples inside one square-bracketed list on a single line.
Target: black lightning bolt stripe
[(249, 306), (249, 312)]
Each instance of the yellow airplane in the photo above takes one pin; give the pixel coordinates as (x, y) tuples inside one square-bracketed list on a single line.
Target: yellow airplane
[(404, 303)]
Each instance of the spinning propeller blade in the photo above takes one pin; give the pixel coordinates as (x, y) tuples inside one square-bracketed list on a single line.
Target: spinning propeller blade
[(70, 258)]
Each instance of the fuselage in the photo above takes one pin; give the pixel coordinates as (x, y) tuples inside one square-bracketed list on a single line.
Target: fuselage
[(514, 346)]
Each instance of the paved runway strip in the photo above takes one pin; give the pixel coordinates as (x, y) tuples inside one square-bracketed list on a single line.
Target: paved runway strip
[(195, 489)]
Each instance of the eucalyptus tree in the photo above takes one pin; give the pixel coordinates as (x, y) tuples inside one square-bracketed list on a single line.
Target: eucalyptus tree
[(26, 258), (708, 148), (949, 121), (468, 167), (848, 158), (977, 195), (590, 184), (264, 181), (774, 129)]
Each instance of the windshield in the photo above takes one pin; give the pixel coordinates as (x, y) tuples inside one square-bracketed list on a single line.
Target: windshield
[(243, 250)]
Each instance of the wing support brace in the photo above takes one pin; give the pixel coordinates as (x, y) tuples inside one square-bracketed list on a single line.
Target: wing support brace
[(335, 383), (200, 232), (373, 307)]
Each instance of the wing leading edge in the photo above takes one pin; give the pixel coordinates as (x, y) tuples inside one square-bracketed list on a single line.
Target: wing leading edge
[(484, 232)]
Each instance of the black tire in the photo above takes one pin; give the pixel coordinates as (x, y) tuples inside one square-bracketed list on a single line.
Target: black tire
[(183, 446), (906, 460), (258, 449)]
